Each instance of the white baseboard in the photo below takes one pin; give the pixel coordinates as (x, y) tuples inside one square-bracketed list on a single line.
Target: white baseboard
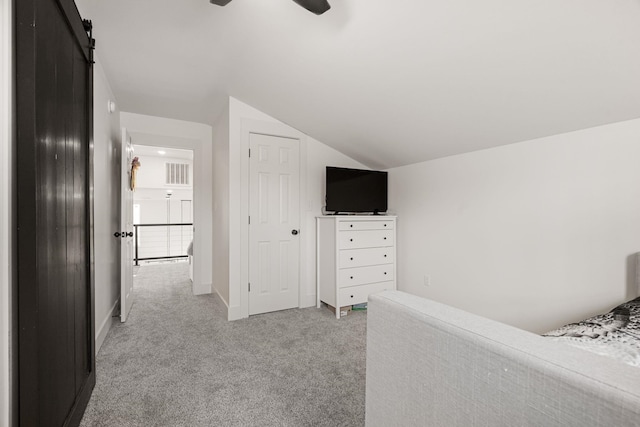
[(308, 301), (230, 313), (234, 313), (201, 288), (105, 326)]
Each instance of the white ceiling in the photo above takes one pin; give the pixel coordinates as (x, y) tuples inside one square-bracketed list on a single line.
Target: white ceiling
[(167, 153), (387, 82)]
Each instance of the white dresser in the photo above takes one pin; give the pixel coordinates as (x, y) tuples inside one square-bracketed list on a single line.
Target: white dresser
[(356, 256)]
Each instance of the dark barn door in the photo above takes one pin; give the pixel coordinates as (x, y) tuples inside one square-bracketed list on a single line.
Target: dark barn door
[(54, 213)]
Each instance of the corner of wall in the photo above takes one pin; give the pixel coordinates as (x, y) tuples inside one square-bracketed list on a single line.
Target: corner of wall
[(220, 204)]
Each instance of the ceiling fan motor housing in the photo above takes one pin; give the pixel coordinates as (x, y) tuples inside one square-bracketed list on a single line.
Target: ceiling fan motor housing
[(316, 6)]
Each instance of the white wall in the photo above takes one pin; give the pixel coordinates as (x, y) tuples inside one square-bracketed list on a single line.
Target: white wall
[(317, 157), (156, 208), (163, 210), (162, 132), (534, 234), (151, 191), (221, 186), (6, 182), (107, 139), (154, 173)]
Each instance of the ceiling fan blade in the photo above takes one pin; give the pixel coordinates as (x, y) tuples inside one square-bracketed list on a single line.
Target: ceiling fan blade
[(220, 2), (316, 6)]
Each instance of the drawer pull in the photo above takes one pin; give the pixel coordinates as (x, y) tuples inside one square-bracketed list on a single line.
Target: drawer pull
[(385, 255), (351, 296), (352, 277), (385, 273), (352, 258), (385, 238), (385, 225), (351, 240), (351, 226)]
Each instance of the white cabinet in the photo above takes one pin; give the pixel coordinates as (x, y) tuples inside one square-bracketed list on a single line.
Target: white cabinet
[(356, 256)]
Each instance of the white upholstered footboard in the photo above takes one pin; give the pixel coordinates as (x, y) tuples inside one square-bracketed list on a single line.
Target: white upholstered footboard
[(432, 365)]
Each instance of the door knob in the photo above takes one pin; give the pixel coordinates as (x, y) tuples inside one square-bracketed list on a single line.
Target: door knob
[(294, 232)]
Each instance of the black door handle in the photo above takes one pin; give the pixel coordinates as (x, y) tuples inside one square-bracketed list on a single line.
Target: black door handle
[(116, 234), (294, 232), (129, 234)]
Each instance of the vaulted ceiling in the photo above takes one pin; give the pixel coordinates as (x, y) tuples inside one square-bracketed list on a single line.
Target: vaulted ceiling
[(386, 82)]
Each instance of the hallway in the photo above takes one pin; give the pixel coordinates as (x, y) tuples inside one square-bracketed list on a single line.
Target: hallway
[(178, 362)]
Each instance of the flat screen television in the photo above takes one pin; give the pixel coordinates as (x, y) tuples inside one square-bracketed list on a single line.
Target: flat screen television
[(356, 191)]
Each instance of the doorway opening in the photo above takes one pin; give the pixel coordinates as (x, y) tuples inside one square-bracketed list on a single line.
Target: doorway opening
[(163, 207)]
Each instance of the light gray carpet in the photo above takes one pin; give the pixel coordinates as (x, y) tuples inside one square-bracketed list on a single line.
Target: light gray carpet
[(178, 362)]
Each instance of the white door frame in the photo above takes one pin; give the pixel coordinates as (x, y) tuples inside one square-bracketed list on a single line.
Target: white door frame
[(274, 129)]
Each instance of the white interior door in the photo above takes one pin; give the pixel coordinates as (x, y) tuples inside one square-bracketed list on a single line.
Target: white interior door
[(274, 223), (126, 229)]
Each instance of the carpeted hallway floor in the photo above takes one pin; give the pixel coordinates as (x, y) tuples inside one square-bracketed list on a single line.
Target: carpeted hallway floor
[(178, 362)]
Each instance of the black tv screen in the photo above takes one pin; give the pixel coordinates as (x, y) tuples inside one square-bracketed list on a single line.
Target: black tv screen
[(356, 190)]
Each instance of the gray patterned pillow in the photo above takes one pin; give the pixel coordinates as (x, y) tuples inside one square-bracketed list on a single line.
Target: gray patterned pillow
[(615, 334)]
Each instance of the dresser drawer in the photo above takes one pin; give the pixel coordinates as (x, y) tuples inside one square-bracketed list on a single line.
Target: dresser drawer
[(360, 294), (361, 275), (348, 258), (365, 225), (365, 239)]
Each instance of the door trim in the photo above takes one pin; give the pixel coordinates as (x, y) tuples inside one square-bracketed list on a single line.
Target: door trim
[(248, 127), (202, 185)]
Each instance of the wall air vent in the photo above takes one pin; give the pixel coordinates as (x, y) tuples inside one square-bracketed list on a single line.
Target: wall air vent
[(177, 174)]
